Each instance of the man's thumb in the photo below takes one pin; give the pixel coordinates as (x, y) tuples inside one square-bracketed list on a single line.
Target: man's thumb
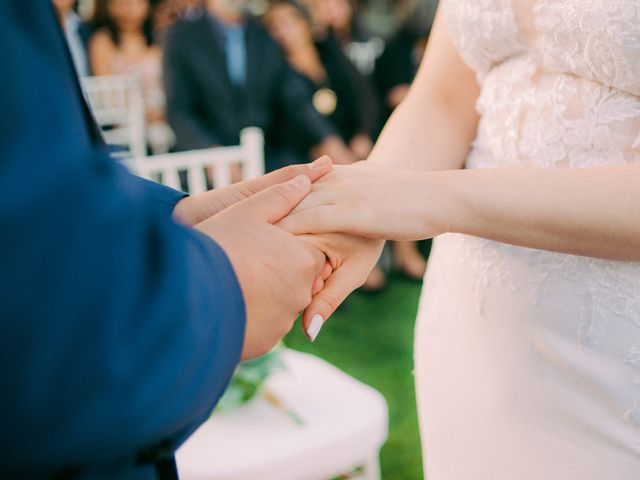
[(275, 203)]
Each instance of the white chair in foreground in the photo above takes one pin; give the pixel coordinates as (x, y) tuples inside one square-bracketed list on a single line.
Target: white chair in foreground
[(118, 107), (165, 169), (342, 426)]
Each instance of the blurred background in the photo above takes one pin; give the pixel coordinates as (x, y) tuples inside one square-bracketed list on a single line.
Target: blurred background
[(316, 77)]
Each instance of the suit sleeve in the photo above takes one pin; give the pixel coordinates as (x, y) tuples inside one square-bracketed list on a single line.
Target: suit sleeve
[(182, 107), (119, 329), (165, 198)]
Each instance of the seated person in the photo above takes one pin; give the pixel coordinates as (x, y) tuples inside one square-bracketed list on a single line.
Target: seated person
[(223, 72), (124, 44)]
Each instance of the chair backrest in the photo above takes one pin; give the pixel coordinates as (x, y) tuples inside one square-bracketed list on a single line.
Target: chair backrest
[(364, 54), (167, 168), (118, 106)]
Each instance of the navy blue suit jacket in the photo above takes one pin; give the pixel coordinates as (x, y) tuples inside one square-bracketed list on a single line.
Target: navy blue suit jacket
[(119, 329)]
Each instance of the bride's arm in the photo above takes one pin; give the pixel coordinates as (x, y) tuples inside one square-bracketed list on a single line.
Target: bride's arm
[(432, 129), (589, 211), (592, 212), (584, 211)]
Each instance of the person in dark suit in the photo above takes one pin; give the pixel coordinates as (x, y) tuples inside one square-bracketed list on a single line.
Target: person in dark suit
[(223, 72), (119, 327), (77, 33)]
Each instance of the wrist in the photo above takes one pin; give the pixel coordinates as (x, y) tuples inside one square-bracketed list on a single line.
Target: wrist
[(440, 202)]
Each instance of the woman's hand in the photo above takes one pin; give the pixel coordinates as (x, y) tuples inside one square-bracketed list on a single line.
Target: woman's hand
[(193, 210), (368, 200), (349, 261), (277, 272)]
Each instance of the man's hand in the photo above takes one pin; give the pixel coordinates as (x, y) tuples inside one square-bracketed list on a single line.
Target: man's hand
[(351, 259), (277, 271), (193, 210)]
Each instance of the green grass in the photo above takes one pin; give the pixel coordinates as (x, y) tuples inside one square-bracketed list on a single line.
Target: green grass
[(371, 338)]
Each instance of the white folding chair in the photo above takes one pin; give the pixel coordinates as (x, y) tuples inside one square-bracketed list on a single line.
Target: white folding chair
[(166, 168), (118, 107), (327, 425), (364, 54)]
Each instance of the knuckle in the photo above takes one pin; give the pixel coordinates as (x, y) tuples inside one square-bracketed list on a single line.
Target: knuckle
[(330, 300), (285, 192), (303, 300), (318, 259), (289, 171), (311, 260)]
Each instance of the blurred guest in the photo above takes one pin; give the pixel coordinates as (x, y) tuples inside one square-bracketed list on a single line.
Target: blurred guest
[(168, 12), (340, 93), (124, 44), (340, 17), (223, 72), (394, 73), (77, 33)]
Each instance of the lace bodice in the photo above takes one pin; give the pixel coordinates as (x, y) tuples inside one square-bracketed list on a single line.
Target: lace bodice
[(560, 79), (560, 88)]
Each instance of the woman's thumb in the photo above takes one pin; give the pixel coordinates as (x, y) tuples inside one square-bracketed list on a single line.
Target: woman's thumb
[(336, 289)]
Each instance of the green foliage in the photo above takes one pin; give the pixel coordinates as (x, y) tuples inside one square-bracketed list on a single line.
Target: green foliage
[(248, 378)]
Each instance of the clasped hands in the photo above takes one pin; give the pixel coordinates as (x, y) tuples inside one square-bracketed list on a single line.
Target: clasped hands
[(300, 239)]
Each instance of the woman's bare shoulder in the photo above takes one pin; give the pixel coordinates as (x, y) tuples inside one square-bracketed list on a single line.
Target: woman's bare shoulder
[(102, 39), (102, 50)]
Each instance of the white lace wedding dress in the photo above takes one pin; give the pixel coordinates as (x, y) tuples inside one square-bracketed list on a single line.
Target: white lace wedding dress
[(528, 362)]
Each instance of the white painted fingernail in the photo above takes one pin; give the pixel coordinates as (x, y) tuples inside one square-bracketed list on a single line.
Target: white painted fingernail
[(317, 321)]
